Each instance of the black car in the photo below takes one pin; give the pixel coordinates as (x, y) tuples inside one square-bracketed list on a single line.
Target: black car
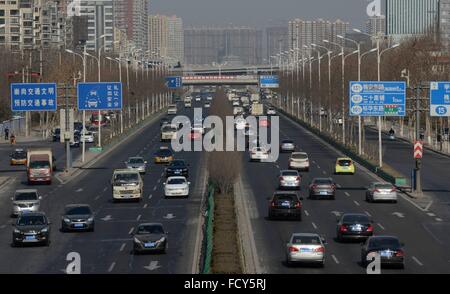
[(285, 204), (164, 121), (76, 140), (354, 226), (389, 248), (31, 228), (77, 217), (177, 168), (56, 135), (150, 237), (78, 126)]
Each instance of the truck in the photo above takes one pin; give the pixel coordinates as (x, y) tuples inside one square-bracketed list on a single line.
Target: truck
[(127, 185), (257, 109), (254, 97), (39, 165)]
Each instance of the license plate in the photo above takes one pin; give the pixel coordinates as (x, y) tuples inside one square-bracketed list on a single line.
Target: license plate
[(30, 238), (285, 204), (147, 245), (386, 253), (305, 249), (177, 172), (78, 225), (356, 228), (323, 193)]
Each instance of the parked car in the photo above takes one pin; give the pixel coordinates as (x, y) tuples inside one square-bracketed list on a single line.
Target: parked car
[(31, 228), (322, 188), (150, 237), (305, 248), (24, 201), (354, 226), (285, 204), (380, 191), (389, 248), (77, 217), (289, 179)]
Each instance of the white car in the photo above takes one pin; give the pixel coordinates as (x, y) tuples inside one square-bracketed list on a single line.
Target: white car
[(240, 123), (258, 154), (381, 192), (236, 103), (198, 128), (305, 247), (299, 161), (88, 137), (271, 111), (176, 187)]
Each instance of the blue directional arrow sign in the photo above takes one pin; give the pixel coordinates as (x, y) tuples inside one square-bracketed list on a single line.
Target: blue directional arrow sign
[(377, 98), (100, 96), (269, 81), (440, 99), (33, 97), (174, 82)]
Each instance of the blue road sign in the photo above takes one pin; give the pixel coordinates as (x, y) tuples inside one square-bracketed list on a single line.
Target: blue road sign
[(100, 96), (34, 97), (174, 82), (440, 99), (377, 98), (269, 81)]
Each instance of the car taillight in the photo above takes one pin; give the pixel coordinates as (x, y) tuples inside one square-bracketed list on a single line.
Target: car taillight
[(394, 190), (376, 191), (319, 249), (293, 249), (298, 205), (313, 187), (399, 253), (369, 228), (343, 228), (273, 204), (298, 178)]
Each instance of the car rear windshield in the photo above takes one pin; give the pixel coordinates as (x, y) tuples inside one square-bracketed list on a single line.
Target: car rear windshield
[(39, 164), (322, 181), (384, 243), (177, 163), (176, 181), (165, 153), (136, 160), (384, 186), (285, 198), (289, 173), (299, 156), (32, 220), (19, 155), (356, 218), (142, 230), (169, 129), (26, 196), (345, 162), (306, 240), (126, 178), (78, 210)]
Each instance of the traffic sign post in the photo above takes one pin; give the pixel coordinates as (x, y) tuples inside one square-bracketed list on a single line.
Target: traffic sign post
[(269, 82), (418, 150), (440, 99), (174, 82), (33, 97)]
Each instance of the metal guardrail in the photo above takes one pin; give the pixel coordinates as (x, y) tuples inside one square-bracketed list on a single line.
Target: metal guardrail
[(15, 126), (209, 230)]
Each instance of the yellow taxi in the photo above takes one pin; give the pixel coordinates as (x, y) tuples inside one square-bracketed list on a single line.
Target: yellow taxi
[(163, 155), (19, 157), (344, 165)]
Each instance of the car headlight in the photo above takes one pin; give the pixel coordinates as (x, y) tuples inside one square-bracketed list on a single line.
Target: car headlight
[(44, 230), (162, 240), (91, 219), (16, 231), (66, 220), (136, 240)]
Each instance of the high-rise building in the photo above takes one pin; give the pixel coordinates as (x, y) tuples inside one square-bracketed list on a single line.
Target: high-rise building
[(175, 39), (407, 18), (158, 35), (131, 16), (277, 40), (444, 24), (208, 45), (376, 25)]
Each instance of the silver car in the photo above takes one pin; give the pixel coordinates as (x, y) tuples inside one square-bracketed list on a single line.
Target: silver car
[(289, 179), (381, 192), (137, 163), (299, 161), (24, 201), (287, 146), (306, 248)]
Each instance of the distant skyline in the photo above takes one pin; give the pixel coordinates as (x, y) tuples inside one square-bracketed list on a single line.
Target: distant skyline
[(260, 13)]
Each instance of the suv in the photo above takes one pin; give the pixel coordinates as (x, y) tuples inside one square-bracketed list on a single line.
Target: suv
[(286, 204), (31, 228), (127, 185), (25, 201), (172, 110)]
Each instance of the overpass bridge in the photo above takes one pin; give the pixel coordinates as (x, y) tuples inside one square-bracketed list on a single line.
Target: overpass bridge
[(208, 80), (229, 70)]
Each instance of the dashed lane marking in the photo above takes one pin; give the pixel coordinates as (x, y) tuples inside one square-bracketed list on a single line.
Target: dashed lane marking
[(159, 181), (111, 267), (438, 219), (138, 218), (324, 172), (381, 226), (306, 212), (314, 226), (150, 196), (368, 214), (417, 261), (131, 231), (145, 205), (335, 258), (431, 214), (97, 197), (347, 194), (122, 247), (356, 203), (154, 188), (318, 166)]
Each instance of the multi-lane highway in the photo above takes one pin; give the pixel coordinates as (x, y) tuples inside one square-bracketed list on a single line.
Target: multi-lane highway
[(108, 249), (426, 240)]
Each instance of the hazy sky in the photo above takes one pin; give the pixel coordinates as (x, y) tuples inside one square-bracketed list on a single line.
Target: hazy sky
[(259, 13)]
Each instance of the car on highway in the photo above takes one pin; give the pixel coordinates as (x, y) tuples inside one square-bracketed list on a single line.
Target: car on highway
[(150, 237), (176, 186), (198, 98), (198, 127), (287, 146), (31, 228), (127, 185), (76, 140), (271, 111), (285, 204), (322, 188), (209, 98), (380, 191), (354, 226), (344, 165), (236, 103), (207, 104), (136, 163), (169, 132), (24, 201), (240, 123), (299, 161), (163, 155), (18, 157), (305, 248), (389, 248), (164, 121), (56, 135), (177, 167), (289, 179), (88, 137), (172, 109), (259, 154), (77, 217)]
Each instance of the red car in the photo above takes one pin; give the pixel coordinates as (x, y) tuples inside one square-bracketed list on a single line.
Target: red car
[(264, 122)]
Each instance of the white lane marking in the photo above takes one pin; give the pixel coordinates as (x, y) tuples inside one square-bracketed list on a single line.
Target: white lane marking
[(138, 218), (162, 174), (318, 166), (97, 197), (399, 214), (368, 214), (428, 206), (431, 214), (131, 230), (105, 189), (335, 259), (306, 212), (313, 162), (3, 226), (347, 194), (145, 205), (339, 186), (356, 203), (314, 225), (324, 172), (122, 247), (438, 219), (154, 188), (111, 267), (417, 261), (381, 226), (150, 196), (159, 181), (79, 190)]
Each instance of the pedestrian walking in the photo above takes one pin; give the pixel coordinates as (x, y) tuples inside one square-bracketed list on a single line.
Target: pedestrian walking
[(6, 131)]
